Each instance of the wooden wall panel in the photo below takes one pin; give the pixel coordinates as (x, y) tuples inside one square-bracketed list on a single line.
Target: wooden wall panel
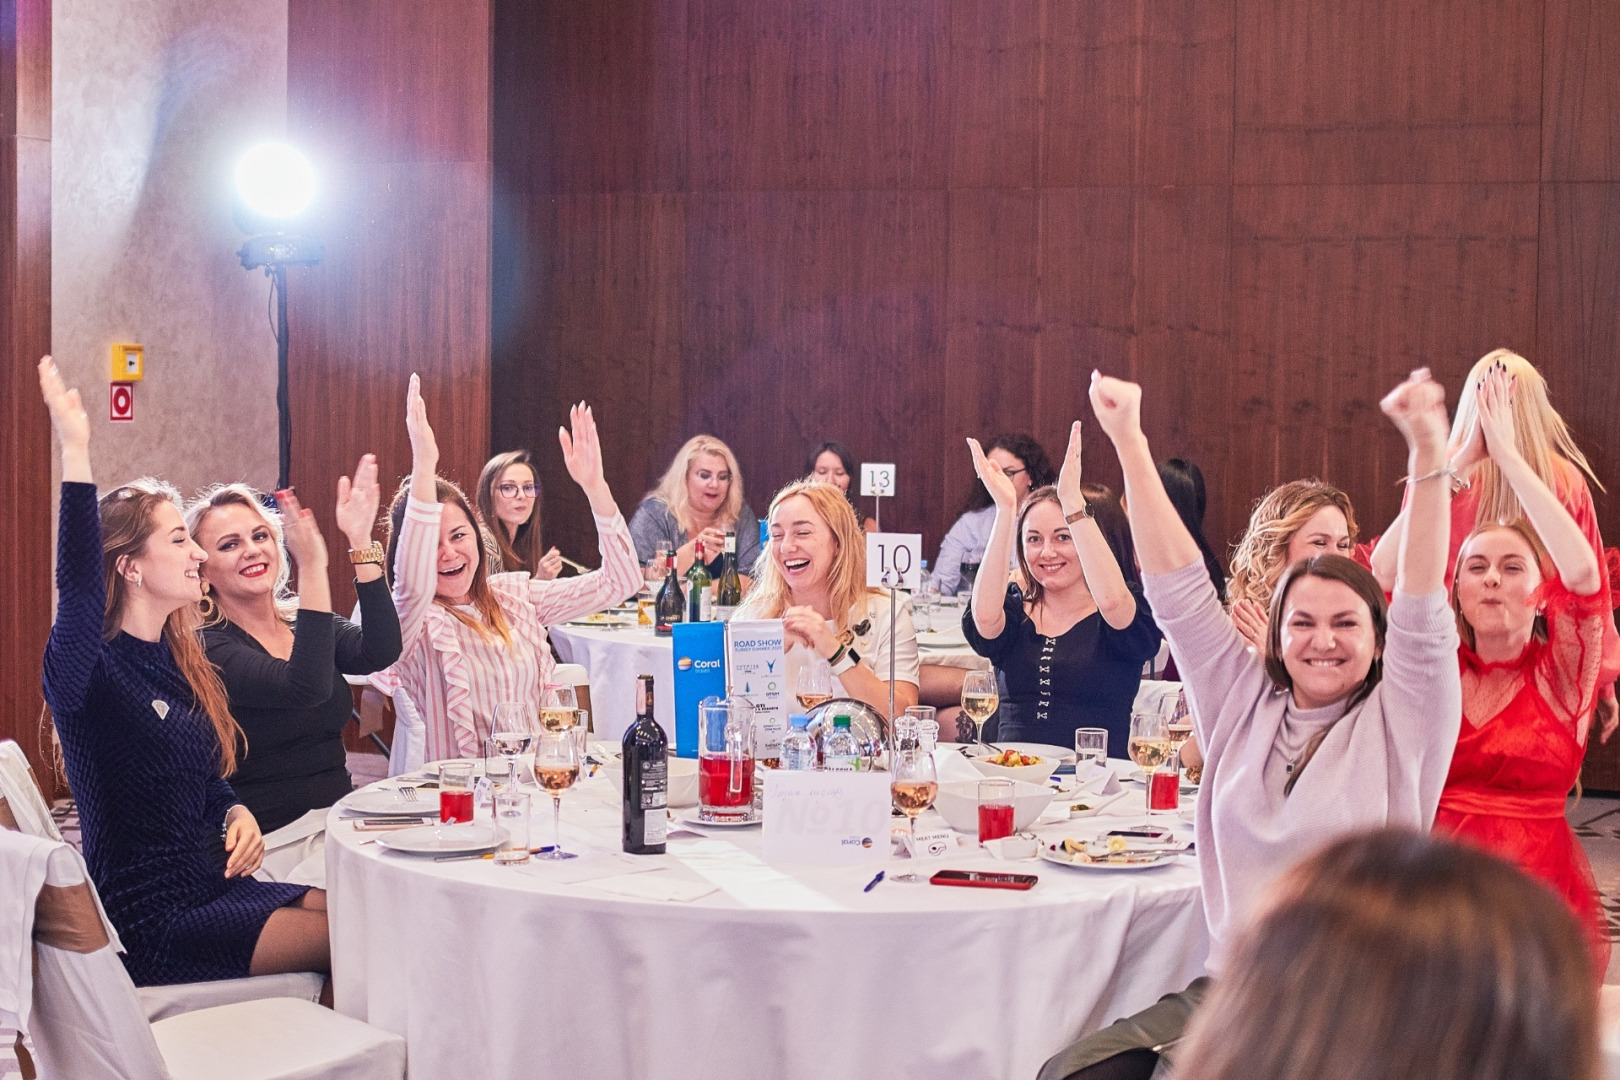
[(393, 101), (1579, 315), (1580, 131), (1385, 91), (25, 335)]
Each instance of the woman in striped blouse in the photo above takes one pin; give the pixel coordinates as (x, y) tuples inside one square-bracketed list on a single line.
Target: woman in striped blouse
[(473, 639)]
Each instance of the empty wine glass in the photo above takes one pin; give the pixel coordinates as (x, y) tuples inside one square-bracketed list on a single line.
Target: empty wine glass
[(813, 684), (913, 784), (980, 697), (511, 732), (556, 767)]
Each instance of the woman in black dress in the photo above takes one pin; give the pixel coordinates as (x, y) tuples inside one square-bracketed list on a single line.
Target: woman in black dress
[(1071, 647), (283, 659), (148, 737)]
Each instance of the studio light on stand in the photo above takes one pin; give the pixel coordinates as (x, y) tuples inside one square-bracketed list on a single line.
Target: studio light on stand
[(274, 187)]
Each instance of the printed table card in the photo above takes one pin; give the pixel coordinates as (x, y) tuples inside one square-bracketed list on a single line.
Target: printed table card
[(826, 818)]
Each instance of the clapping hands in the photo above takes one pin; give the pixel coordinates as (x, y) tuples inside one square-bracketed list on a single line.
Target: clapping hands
[(998, 483), (1418, 408)]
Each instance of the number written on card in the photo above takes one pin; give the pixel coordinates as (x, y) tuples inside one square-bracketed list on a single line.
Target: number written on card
[(893, 560)]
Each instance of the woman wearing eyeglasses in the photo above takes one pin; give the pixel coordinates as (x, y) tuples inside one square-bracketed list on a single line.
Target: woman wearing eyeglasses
[(509, 502), (1022, 461)]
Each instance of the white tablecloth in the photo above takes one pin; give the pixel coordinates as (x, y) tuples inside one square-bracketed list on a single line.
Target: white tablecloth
[(494, 972), (614, 657)]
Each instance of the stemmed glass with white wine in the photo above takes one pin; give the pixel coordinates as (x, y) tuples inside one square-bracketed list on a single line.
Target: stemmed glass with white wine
[(980, 696), (559, 707), (512, 732), (913, 784), (813, 684), (556, 767), (1149, 747)]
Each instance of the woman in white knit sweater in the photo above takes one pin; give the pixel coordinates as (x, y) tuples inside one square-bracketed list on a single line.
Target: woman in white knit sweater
[(1310, 740)]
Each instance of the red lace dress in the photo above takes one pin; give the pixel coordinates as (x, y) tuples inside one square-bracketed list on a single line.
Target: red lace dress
[(1519, 753)]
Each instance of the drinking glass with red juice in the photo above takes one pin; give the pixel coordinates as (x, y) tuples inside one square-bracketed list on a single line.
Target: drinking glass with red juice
[(455, 792), (995, 809), (1164, 789)]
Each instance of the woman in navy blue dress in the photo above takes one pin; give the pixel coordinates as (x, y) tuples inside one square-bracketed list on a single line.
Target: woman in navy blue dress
[(147, 736)]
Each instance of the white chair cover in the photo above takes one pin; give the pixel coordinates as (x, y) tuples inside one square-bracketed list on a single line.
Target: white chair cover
[(22, 794), (278, 1039), (24, 863), (410, 736), (570, 675), (161, 1002), (1156, 695)]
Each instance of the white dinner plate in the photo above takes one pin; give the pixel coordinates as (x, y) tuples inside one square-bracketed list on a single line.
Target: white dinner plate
[(469, 838), (385, 802), (1162, 858), (951, 637), (690, 817)]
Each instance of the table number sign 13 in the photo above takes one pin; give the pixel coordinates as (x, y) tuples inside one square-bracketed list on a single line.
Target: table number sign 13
[(877, 479)]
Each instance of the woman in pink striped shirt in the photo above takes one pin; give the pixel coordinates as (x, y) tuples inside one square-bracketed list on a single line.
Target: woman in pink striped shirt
[(472, 639)]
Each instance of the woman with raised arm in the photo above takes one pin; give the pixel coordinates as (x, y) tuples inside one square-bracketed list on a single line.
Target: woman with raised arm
[(283, 658), (148, 738), (1531, 609), (1071, 645), (1481, 495), (813, 578), (472, 639), (508, 498), (1308, 741)]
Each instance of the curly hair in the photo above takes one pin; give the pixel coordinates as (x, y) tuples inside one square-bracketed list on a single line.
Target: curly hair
[(1262, 555), (1025, 449)]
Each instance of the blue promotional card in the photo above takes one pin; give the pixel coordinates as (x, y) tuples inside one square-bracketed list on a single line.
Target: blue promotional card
[(700, 672)]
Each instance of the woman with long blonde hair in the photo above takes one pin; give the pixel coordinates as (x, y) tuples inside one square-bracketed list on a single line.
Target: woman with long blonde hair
[(1483, 496), (283, 658), (471, 639), (1293, 521), (148, 738), (698, 501), (813, 578)]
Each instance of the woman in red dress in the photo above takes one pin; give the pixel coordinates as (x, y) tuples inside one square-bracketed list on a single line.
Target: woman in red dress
[(1531, 601)]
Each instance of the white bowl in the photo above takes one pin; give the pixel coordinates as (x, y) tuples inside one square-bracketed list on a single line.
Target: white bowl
[(958, 803), (1030, 774), (683, 780)]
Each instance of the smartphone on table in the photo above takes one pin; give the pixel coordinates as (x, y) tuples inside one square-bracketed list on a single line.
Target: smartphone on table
[(978, 879)]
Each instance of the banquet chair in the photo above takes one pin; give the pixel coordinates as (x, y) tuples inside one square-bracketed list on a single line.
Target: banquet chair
[(576, 676), (410, 736), (1609, 1030), (87, 1022), (20, 790), (1156, 696)]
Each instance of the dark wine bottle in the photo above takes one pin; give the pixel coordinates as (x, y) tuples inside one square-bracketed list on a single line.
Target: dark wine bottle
[(646, 777), (697, 587), (728, 594), (671, 606)]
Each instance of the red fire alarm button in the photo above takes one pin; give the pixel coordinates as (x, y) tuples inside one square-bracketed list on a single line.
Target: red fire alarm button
[(123, 401)]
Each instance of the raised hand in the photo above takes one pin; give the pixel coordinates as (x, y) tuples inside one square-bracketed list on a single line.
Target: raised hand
[(998, 483), (69, 419), (1418, 409), (357, 503), (1250, 619), (1118, 405), (305, 543), (1473, 450), (582, 449), (1495, 398), (424, 447), (1068, 483)]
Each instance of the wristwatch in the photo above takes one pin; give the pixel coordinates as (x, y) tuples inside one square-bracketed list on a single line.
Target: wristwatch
[(847, 661), (372, 554), (1083, 512)]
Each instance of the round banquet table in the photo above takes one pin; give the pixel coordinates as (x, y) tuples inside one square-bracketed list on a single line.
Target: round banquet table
[(614, 656), (492, 972)]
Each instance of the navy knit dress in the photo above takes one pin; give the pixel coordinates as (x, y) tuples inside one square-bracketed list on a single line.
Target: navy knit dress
[(143, 761)]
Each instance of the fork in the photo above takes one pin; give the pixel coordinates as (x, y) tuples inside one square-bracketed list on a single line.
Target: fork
[(407, 793)]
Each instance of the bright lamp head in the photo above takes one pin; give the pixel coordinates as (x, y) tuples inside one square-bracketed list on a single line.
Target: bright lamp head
[(275, 181)]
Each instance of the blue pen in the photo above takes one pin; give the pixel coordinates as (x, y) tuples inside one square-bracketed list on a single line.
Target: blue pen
[(870, 885)]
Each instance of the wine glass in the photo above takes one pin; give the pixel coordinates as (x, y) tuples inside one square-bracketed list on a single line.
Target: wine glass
[(1149, 746), (559, 707), (813, 684), (980, 697), (511, 732), (913, 784), (556, 767)]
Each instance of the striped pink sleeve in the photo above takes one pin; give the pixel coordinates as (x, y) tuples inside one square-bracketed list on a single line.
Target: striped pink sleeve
[(416, 569), (562, 599)]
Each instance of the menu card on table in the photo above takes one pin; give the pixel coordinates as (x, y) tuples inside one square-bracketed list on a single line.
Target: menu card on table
[(826, 818)]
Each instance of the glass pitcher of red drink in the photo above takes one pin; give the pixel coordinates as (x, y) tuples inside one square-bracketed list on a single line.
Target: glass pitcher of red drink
[(725, 760)]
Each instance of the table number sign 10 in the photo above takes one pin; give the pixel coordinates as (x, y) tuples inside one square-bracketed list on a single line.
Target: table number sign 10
[(893, 560)]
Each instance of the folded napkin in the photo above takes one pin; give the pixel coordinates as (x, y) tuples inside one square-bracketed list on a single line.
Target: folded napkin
[(388, 826), (654, 887), (591, 867), (952, 766), (1102, 780)]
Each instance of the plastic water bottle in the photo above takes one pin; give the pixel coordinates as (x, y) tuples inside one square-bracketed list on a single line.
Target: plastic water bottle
[(798, 749), (839, 750)]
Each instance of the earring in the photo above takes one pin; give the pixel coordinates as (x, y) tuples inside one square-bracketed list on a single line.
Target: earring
[(137, 580)]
